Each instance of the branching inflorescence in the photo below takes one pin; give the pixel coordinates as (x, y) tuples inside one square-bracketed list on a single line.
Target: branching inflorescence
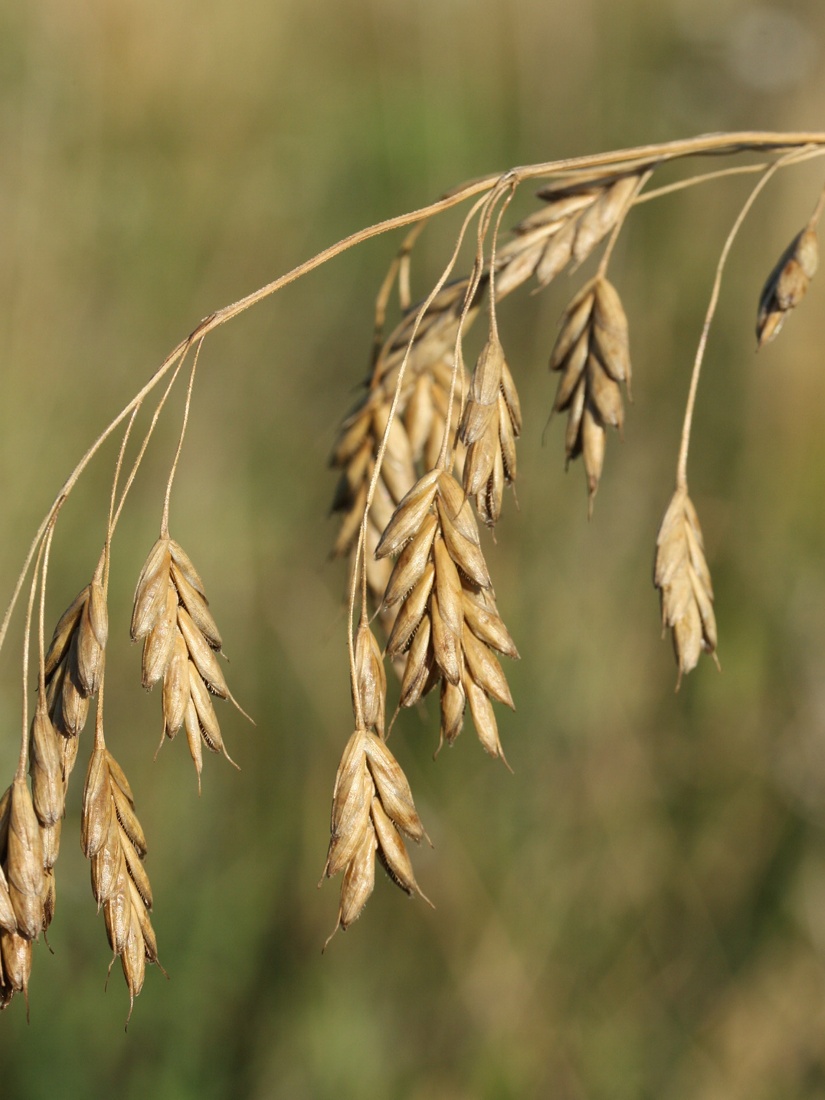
[(424, 459)]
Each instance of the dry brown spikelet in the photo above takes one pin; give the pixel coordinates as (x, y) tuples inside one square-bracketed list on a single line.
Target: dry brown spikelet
[(593, 357), (683, 579), (490, 425), (446, 622), (24, 861), (417, 431), (74, 660), (576, 217), (787, 284), (46, 768), (371, 806), (180, 637), (113, 841), (371, 679), (15, 967)]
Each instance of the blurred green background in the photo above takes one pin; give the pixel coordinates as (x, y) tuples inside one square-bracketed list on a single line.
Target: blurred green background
[(639, 911)]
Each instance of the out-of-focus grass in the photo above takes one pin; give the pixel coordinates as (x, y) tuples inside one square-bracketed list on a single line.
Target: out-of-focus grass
[(637, 912)]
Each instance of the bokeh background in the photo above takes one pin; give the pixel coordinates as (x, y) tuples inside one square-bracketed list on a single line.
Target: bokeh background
[(639, 911)]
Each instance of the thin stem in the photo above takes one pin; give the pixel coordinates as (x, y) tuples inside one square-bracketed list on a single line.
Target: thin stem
[(722, 173), (508, 198), (41, 636), (145, 444), (817, 211), (506, 184), (469, 295), (681, 467), (22, 763), (164, 525)]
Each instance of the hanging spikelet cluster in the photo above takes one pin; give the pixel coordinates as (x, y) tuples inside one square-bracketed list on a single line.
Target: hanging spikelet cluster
[(424, 460), (415, 433), (592, 354), (31, 819), (682, 577), (419, 501), (180, 641), (113, 840), (442, 586)]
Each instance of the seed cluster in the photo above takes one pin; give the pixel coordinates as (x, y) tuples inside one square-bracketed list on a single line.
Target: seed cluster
[(682, 577), (31, 820), (592, 354), (180, 641), (112, 838), (424, 460)]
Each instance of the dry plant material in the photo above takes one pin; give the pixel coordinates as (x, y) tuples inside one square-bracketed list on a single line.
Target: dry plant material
[(490, 426), (575, 219), (787, 284), (446, 624), (113, 840), (416, 432), (592, 355), (682, 577), (423, 462), (181, 641), (24, 890), (372, 806), (75, 658)]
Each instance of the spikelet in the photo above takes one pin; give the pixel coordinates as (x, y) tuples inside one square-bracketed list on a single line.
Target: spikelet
[(371, 679), (46, 768), (682, 577), (24, 861), (74, 660), (171, 615), (576, 217), (592, 355), (417, 431), (446, 623), (113, 840), (490, 425), (15, 967), (787, 284), (371, 806)]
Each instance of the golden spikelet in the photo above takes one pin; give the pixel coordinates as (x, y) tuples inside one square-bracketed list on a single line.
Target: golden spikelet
[(490, 425), (74, 660), (592, 355), (371, 679), (24, 861), (171, 615), (683, 579), (112, 839), (446, 623), (372, 805), (46, 768), (416, 432), (576, 217)]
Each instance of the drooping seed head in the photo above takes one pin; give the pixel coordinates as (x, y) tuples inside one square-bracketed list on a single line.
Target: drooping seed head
[(683, 579)]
